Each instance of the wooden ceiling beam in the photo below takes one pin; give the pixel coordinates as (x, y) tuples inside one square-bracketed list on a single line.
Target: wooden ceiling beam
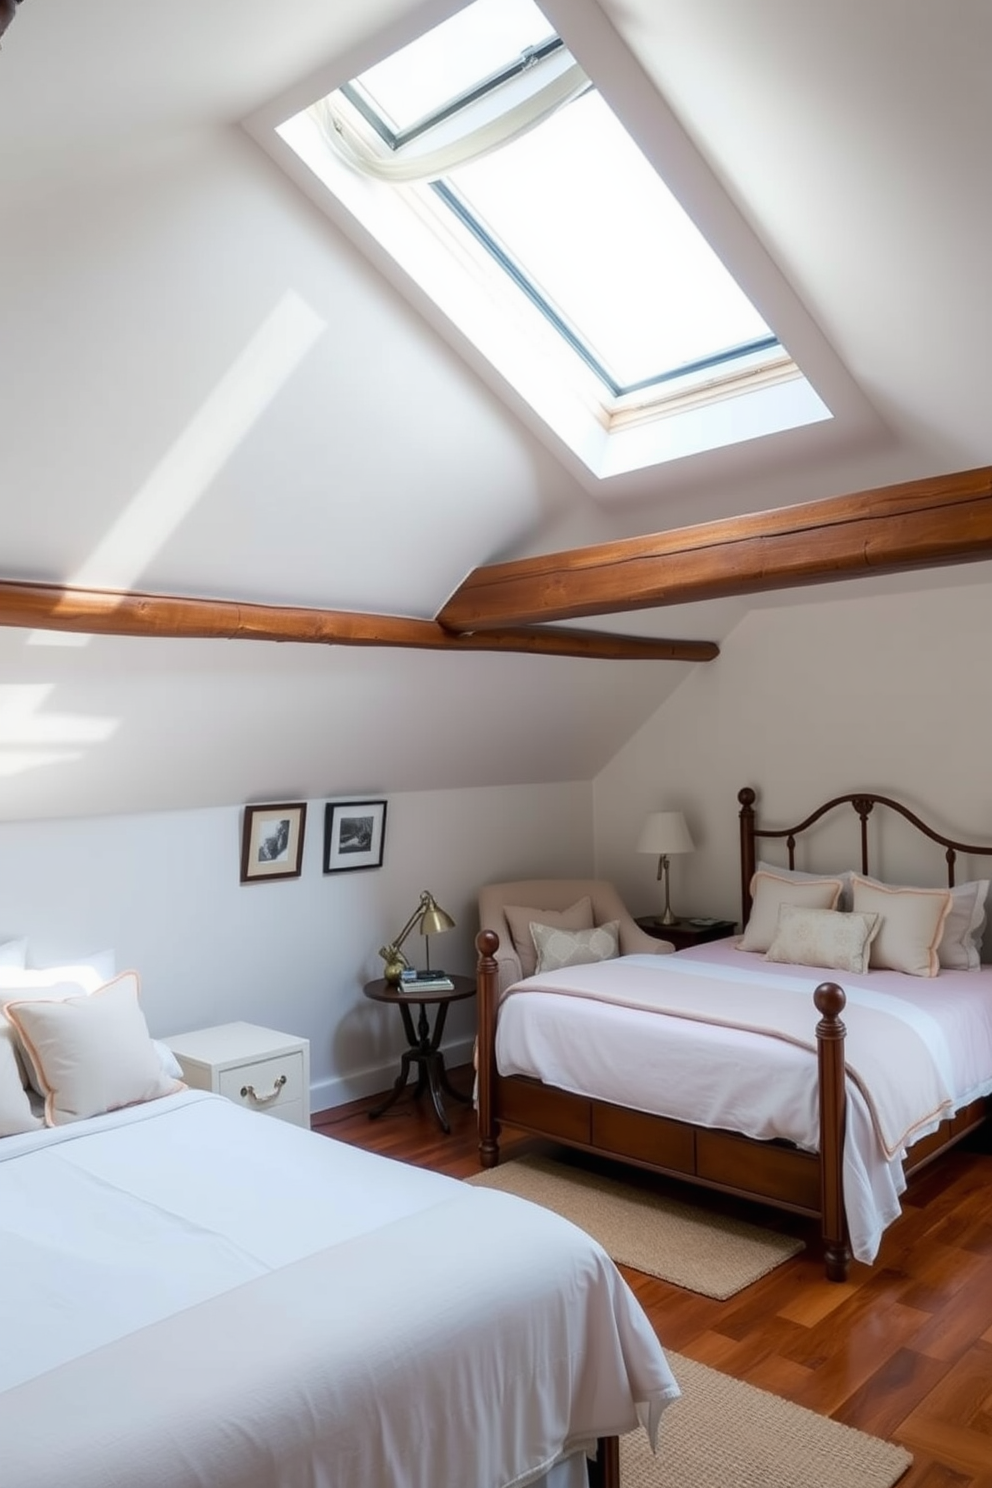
[(107, 612), (920, 524)]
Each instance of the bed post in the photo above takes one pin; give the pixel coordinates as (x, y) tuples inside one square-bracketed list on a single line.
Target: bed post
[(604, 1468), (487, 989), (830, 1033), (746, 798)]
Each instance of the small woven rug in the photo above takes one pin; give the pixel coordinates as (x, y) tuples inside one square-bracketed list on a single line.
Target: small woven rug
[(705, 1252), (723, 1432)]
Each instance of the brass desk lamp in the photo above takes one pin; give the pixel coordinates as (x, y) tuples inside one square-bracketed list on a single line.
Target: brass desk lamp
[(430, 919)]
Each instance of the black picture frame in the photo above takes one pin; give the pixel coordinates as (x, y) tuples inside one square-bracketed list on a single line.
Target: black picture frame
[(272, 842), (354, 835)]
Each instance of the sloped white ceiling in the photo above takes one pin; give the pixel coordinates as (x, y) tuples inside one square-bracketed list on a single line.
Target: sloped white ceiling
[(206, 387)]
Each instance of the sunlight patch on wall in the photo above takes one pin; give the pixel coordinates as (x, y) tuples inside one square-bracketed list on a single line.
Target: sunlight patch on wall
[(23, 726), (183, 475)]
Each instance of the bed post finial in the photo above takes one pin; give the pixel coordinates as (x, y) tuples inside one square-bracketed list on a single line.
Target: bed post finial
[(487, 989)]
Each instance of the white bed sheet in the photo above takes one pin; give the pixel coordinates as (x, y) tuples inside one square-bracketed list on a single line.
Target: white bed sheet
[(199, 1296), (737, 1080)]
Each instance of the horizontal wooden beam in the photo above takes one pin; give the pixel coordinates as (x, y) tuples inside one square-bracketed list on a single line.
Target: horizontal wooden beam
[(107, 612), (921, 524)]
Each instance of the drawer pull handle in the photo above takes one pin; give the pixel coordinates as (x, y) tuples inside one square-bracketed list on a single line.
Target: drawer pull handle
[(252, 1094)]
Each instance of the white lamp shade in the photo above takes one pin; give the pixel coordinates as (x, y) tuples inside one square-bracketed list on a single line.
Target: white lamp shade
[(664, 833)]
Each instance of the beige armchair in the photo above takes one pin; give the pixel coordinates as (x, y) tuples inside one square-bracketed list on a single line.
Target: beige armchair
[(558, 894)]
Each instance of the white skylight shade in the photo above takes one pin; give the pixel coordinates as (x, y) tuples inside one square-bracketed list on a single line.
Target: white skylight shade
[(580, 210), (452, 57)]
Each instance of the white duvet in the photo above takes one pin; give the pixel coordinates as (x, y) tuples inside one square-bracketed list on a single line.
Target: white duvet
[(737, 1080), (194, 1296)]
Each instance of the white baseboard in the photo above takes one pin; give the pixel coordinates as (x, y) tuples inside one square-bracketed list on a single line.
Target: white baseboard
[(340, 1089)]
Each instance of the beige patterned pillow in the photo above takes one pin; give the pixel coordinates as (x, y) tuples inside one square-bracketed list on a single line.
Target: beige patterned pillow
[(824, 937), (769, 892), (578, 916), (90, 1054), (557, 948), (911, 928)]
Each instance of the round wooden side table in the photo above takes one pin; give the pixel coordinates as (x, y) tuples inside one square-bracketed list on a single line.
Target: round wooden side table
[(424, 1041)]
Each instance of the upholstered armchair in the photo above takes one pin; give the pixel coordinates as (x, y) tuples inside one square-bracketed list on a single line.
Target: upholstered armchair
[(557, 895)]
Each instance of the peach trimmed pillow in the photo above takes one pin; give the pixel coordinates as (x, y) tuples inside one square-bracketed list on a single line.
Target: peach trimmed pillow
[(557, 948), (92, 1053), (961, 940), (577, 916), (828, 938), (911, 928), (769, 892)]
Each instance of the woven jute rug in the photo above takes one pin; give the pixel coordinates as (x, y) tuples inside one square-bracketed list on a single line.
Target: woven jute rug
[(704, 1252), (725, 1434)]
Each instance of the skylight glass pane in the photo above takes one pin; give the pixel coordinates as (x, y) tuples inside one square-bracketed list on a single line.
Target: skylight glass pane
[(445, 62), (583, 213)]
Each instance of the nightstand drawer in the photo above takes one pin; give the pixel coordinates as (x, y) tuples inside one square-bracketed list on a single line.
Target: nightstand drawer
[(268, 1085), (272, 1068)]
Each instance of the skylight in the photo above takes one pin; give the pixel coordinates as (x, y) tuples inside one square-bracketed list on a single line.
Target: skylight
[(492, 169)]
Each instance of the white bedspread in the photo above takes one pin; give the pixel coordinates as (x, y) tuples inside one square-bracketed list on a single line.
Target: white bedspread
[(743, 1081), (194, 1296)]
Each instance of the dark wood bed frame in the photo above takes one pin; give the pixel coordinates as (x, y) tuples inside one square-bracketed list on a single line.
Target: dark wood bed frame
[(772, 1172)]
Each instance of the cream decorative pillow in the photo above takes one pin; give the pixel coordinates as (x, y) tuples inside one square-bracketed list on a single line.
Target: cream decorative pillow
[(911, 928), (960, 946), (557, 948), (90, 1054), (769, 891), (824, 937), (16, 1114), (578, 916)]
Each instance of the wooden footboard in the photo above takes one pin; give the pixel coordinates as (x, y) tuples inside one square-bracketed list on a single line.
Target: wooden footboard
[(774, 1173), (771, 1172)]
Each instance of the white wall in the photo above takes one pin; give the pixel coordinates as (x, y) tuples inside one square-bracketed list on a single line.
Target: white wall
[(163, 891), (892, 694)]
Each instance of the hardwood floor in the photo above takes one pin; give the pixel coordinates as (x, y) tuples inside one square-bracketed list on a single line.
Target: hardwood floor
[(902, 1350)]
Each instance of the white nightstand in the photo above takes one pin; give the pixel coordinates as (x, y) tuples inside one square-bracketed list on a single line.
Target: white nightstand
[(255, 1067)]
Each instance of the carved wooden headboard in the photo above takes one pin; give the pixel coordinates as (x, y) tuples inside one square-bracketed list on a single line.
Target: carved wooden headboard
[(863, 803)]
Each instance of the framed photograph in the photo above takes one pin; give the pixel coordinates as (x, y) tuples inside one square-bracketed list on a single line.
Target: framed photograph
[(272, 842), (354, 834)]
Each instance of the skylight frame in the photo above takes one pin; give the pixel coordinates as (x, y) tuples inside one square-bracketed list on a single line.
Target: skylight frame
[(453, 295), (735, 355)]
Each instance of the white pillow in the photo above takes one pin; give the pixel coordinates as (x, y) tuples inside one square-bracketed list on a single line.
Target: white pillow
[(92, 1053), (16, 1114), (577, 916), (769, 891), (845, 876), (824, 937), (170, 1064), (91, 971), (56, 981), (911, 928), (557, 947), (960, 946), (13, 953)]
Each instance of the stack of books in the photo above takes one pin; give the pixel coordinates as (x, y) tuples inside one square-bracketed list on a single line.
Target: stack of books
[(425, 981)]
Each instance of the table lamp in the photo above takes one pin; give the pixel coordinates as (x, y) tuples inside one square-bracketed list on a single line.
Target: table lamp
[(430, 919), (665, 833)]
